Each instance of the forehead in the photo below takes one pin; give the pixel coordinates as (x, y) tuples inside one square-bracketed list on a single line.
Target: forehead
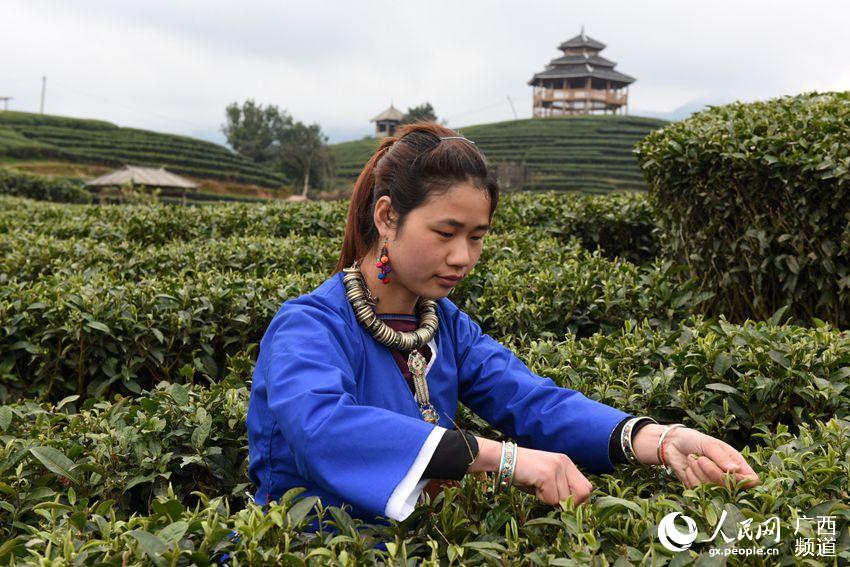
[(462, 202)]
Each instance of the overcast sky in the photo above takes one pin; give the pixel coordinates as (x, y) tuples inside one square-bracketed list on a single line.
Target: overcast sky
[(173, 66)]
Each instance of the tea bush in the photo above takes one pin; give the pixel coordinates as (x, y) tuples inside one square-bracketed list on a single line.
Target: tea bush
[(102, 299), (128, 336), (620, 224), (803, 476), (724, 379), (158, 224), (81, 335), (87, 319), (29, 257), (123, 452), (193, 438), (42, 189), (754, 199)]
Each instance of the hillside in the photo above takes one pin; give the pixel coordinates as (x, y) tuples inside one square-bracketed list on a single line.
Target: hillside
[(62, 146), (591, 154)]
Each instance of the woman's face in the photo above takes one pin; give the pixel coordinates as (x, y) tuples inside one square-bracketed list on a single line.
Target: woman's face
[(442, 237)]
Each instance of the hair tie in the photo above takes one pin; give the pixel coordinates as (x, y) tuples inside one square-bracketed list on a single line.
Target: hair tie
[(456, 137)]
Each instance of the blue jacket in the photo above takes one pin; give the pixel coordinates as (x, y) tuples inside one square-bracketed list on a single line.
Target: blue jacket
[(331, 411)]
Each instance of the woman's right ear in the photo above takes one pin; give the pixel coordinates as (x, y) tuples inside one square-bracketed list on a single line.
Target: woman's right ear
[(382, 216)]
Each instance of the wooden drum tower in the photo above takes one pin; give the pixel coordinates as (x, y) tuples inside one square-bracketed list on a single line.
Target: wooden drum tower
[(580, 82)]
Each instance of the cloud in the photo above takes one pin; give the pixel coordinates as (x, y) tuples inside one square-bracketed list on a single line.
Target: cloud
[(174, 66)]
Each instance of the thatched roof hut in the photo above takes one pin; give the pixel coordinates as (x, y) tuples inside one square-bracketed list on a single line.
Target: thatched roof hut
[(147, 176)]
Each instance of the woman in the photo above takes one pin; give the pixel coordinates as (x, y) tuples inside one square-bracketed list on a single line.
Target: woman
[(356, 384)]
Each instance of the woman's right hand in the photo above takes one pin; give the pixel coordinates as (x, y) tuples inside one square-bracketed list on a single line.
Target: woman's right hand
[(551, 477)]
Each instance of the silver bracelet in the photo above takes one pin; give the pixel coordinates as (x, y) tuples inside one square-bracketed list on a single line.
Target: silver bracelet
[(667, 429), (626, 438)]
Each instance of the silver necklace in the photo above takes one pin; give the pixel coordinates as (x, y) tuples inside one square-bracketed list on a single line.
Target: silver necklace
[(362, 301)]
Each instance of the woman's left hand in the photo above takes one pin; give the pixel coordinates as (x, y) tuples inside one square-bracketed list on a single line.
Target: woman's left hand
[(695, 457)]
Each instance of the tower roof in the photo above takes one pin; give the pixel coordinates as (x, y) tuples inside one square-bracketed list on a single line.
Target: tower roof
[(579, 71), (594, 60), (575, 65), (582, 40), (391, 113)]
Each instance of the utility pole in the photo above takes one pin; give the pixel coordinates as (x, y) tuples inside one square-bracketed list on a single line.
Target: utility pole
[(512, 107), (43, 88)]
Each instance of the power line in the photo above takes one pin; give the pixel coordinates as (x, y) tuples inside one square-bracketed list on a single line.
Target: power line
[(480, 108), (512, 107), (492, 105)]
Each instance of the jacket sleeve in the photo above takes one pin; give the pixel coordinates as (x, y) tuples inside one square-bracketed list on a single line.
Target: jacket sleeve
[(360, 453), (531, 409)]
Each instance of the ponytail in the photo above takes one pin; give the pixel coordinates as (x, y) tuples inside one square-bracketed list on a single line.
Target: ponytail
[(358, 238)]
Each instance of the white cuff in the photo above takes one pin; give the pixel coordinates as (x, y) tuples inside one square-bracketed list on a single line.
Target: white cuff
[(403, 499)]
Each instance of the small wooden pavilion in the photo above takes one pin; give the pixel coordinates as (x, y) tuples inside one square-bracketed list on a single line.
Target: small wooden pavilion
[(580, 82), (387, 121)]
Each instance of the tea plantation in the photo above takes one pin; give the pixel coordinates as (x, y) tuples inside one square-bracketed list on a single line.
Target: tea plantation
[(127, 341), (589, 154), (30, 136)]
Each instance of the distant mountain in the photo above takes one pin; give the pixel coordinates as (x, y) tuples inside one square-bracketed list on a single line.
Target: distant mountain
[(584, 153), (684, 111)]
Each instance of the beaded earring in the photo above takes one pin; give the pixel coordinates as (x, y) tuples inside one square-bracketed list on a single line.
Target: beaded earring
[(384, 264)]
